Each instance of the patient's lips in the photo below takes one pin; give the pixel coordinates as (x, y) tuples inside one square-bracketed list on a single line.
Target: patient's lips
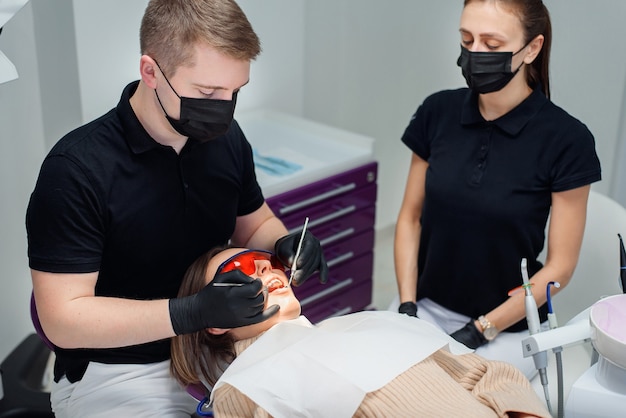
[(274, 284)]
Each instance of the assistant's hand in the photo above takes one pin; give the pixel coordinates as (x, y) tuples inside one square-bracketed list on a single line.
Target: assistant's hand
[(408, 308), (221, 307), (470, 336), (310, 259)]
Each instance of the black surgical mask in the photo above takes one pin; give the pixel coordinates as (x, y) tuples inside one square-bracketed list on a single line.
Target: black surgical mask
[(201, 119), (486, 72)]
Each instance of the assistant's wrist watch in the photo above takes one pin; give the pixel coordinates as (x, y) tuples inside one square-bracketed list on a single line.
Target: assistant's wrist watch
[(489, 330)]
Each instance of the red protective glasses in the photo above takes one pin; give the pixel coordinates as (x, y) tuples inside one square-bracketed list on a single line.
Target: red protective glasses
[(244, 262)]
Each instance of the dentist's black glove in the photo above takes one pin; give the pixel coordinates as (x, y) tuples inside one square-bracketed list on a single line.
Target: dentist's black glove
[(221, 307), (310, 259), (470, 336), (409, 308)]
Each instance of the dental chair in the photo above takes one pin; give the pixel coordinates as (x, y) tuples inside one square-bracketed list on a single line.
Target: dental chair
[(24, 381), (596, 276), (26, 374)]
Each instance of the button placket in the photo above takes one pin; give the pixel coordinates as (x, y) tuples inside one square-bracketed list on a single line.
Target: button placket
[(481, 162)]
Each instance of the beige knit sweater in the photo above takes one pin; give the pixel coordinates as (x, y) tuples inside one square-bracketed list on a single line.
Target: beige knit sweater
[(442, 385)]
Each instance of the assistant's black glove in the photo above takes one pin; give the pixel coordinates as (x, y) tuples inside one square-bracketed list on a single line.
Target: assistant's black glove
[(310, 259), (409, 308), (470, 336), (221, 307)]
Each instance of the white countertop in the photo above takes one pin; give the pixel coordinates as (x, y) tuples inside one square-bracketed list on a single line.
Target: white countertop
[(310, 150)]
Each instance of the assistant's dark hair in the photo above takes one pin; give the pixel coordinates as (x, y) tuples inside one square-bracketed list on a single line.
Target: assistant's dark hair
[(535, 20)]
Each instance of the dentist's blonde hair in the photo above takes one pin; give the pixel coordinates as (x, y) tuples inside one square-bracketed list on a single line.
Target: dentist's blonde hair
[(171, 29)]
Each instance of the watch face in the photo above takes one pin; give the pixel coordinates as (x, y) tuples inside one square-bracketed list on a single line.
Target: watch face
[(490, 333)]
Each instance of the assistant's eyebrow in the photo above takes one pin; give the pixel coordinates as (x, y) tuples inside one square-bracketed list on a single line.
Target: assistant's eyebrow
[(485, 35)]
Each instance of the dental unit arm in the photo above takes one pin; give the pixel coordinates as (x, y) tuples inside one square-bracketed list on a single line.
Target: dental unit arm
[(574, 332)]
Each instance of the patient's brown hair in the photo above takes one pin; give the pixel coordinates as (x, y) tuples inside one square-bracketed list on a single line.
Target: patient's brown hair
[(200, 354)]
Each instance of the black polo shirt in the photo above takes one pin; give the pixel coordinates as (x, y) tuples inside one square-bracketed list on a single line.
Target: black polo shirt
[(488, 193), (110, 199)]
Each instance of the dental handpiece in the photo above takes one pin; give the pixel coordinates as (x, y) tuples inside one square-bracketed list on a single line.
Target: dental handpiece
[(532, 314), (552, 321), (295, 258), (534, 326)]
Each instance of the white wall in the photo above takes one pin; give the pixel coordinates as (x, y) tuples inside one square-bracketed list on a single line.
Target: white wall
[(362, 65), (21, 144), (588, 72), (369, 64)]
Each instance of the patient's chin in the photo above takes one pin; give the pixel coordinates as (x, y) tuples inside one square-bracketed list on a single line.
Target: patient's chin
[(289, 304), (292, 312)]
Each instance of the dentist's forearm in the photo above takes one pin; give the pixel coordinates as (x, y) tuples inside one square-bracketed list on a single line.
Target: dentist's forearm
[(99, 322)]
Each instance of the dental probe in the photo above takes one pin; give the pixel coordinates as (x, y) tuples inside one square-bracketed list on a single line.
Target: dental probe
[(228, 284), (295, 259)]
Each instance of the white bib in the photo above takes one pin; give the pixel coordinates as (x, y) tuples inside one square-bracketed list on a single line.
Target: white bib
[(296, 369)]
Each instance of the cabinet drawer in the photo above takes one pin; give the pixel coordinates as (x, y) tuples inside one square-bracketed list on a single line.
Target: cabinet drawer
[(353, 299), (323, 190), (341, 277), (343, 251), (344, 227), (331, 210)]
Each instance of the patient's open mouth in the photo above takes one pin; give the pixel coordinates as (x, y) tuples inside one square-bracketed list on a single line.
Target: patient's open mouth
[(274, 284)]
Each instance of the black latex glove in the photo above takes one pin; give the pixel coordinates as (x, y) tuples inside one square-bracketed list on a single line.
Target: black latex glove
[(221, 307), (470, 336), (310, 259), (409, 308)]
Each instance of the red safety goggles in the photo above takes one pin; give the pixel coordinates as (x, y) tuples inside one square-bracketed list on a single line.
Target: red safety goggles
[(244, 262)]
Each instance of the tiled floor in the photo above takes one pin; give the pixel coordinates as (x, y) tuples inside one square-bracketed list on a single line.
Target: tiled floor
[(385, 287)]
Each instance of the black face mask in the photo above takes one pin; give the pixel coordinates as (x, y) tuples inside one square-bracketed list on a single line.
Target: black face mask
[(201, 119), (486, 72)]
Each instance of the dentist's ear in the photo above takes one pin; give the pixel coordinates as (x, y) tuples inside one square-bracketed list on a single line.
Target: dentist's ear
[(147, 70), (218, 331)]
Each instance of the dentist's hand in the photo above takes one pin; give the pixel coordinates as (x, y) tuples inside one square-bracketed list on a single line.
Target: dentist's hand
[(221, 307), (470, 336), (310, 259)]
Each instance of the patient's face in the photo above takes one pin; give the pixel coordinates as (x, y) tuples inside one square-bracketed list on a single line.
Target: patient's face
[(272, 276)]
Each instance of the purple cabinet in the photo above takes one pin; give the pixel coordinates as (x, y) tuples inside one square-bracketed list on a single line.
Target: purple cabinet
[(341, 211)]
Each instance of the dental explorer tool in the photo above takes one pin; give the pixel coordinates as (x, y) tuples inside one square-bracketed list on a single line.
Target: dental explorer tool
[(228, 284), (295, 259), (534, 327)]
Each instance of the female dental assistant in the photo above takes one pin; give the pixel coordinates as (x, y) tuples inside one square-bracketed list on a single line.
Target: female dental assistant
[(489, 164)]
